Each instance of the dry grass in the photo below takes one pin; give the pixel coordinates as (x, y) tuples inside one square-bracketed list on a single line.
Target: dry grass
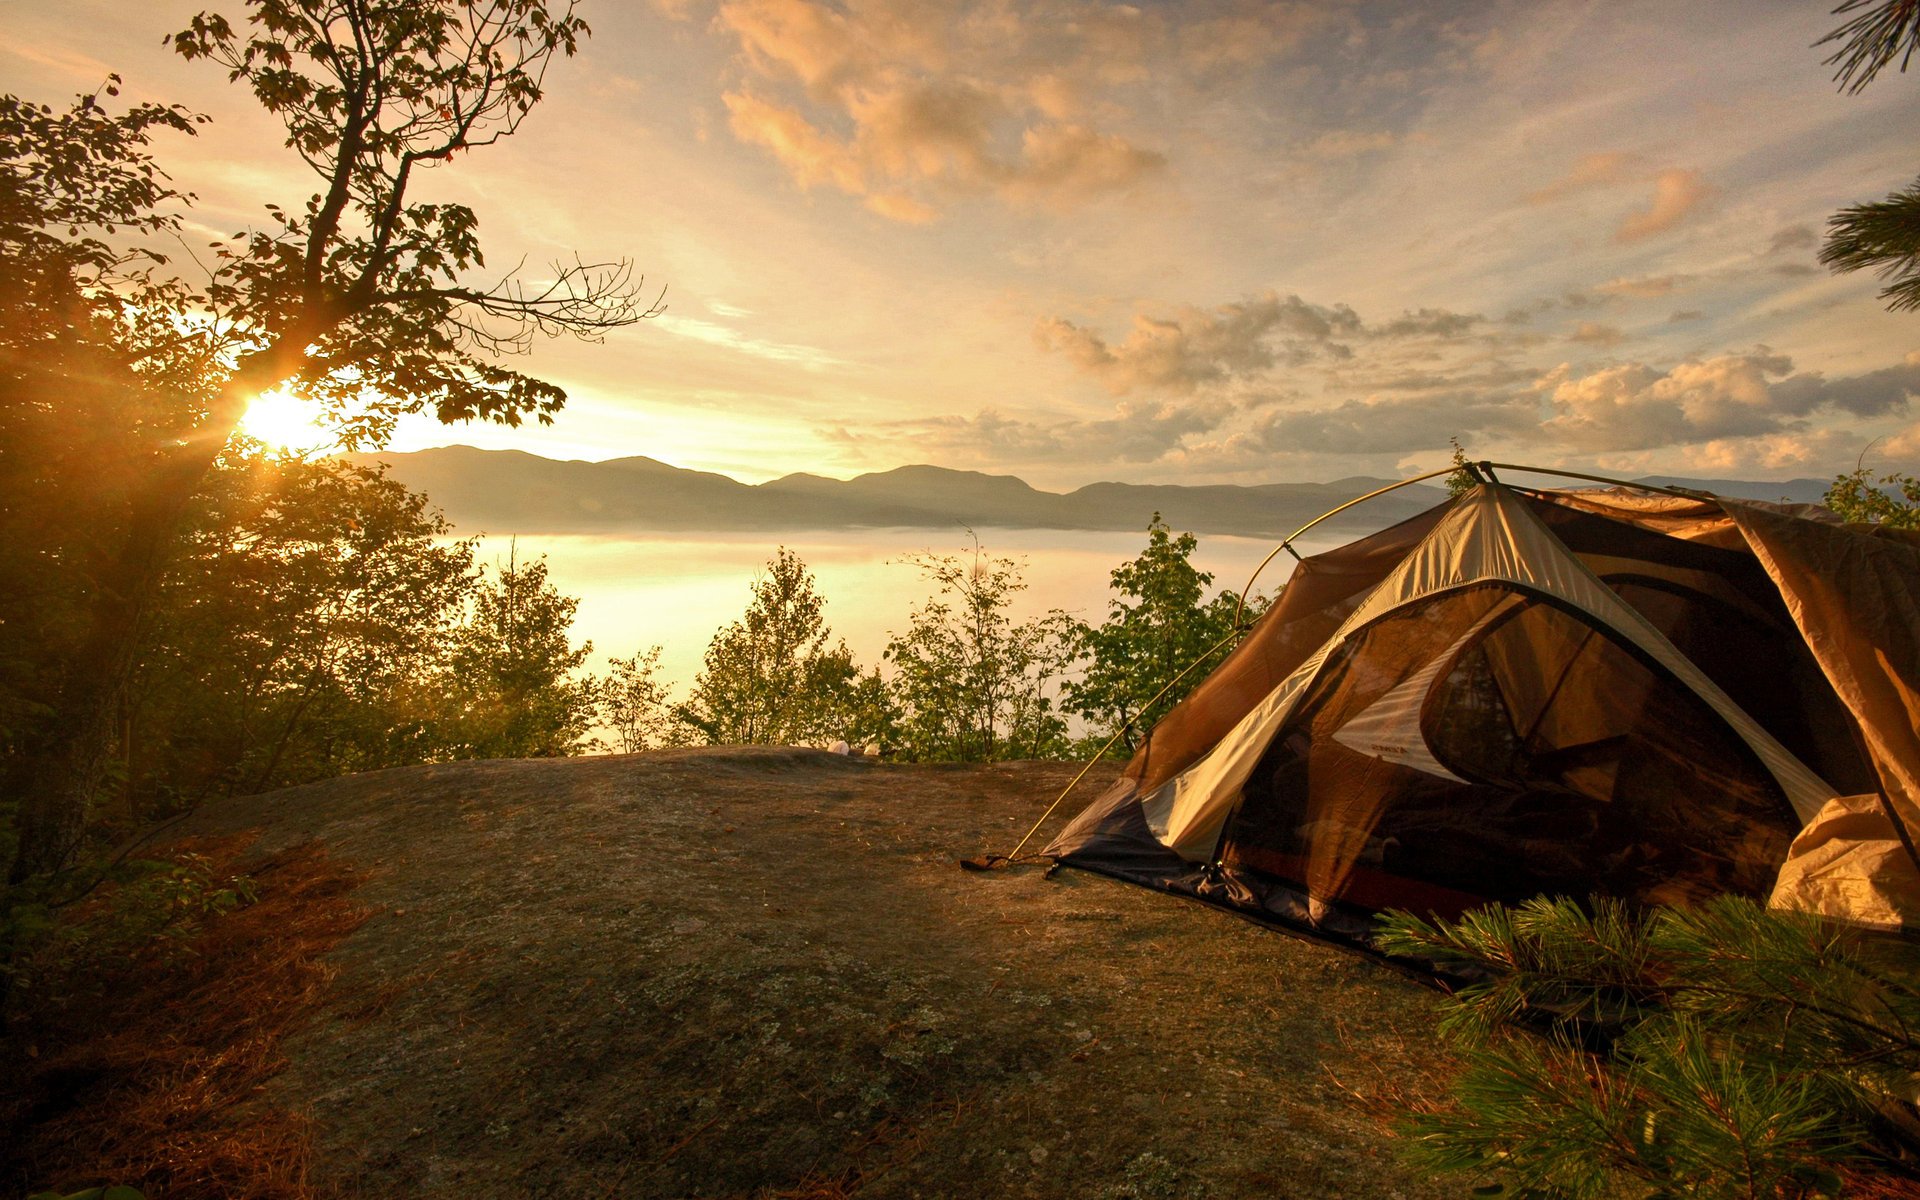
[(154, 1079)]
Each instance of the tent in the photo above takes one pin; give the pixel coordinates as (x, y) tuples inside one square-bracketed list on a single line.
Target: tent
[(1653, 695)]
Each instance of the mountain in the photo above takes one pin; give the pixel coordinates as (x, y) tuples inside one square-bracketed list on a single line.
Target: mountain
[(510, 491), (1799, 491)]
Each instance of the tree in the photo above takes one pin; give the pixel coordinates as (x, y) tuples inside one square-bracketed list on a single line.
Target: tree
[(1721, 1051), (1464, 477), (509, 678), (1151, 652), (771, 678), (1882, 235), (289, 634), (1893, 500), (970, 681), (82, 425), (358, 300), (635, 704)]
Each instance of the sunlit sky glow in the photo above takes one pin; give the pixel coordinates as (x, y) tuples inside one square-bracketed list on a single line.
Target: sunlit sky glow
[(1208, 241)]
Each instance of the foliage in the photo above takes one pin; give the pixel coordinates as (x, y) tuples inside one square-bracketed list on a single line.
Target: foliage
[(1464, 478), (1719, 1051), (116, 1192), (1151, 652), (364, 282), (771, 678), (78, 426), (971, 682), (360, 299), (1893, 500), (873, 715), (67, 934), (290, 638), (1884, 31), (635, 705), (508, 687), (1882, 235)]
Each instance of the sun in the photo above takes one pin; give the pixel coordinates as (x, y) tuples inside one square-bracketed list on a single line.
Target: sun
[(285, 423)]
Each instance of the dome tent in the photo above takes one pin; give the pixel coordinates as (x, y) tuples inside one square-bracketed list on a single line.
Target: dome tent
[(1653, 696)]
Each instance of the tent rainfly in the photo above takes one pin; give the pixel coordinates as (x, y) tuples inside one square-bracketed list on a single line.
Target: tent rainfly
[(1525, 692)]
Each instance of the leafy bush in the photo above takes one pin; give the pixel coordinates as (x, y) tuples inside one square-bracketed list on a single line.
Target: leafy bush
[(1719, 1051), (1893, 500), (69, 932)]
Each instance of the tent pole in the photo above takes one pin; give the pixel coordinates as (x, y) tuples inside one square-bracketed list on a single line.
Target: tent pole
[(1117, 735), (1287, 544)]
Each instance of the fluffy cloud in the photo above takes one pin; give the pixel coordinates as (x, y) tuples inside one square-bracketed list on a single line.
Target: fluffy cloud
[(1195, 347), (910, 104), (1179, 353), (1638, 407)]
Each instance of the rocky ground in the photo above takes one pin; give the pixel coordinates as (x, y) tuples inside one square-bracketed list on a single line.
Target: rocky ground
[(759, 973)]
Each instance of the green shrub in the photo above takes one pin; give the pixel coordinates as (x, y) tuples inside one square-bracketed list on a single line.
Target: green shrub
[(1719, 1051)]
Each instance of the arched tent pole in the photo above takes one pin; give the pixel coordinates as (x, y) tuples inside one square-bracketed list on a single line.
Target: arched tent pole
[(1480, 470), (1287, 543), (993, 860), (1687, 493)]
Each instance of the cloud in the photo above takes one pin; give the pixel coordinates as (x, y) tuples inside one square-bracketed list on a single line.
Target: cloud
[(1638, 407), (1589, 171), (1400, 425), (1194, 346), (1429, 322), (1593, 333), (1793, 240), (1068, 164), (1682, 316), (1677, 193), (811, 156), (807, 357), (1876, 393), (1138, 432), (910, 105), (1645, 288)]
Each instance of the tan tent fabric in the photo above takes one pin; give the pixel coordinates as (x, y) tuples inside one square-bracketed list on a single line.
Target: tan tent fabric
[(1854, 597), (1487, 535), (1849, 864), (1323, 590)]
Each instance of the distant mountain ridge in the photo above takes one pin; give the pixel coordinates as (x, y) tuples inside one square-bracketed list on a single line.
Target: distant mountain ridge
[(511, 491)]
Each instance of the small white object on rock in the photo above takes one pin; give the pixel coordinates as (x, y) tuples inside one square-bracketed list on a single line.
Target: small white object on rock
[(840, 748)]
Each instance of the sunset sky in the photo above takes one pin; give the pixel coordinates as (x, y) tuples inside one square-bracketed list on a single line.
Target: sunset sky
[(1211, 241)]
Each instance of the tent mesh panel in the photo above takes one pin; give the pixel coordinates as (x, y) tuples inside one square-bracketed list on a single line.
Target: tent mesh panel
[(1486, 744)]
